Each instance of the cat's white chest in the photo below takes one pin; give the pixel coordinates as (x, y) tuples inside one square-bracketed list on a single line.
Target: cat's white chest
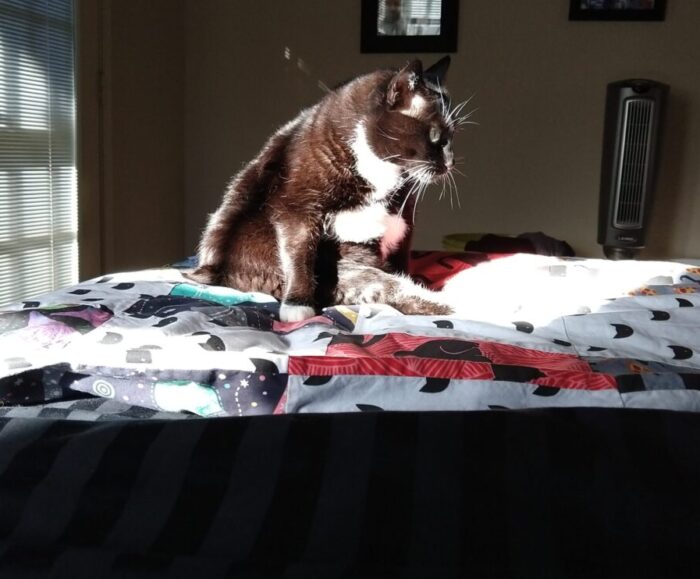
[(382, 175), (369, 223)]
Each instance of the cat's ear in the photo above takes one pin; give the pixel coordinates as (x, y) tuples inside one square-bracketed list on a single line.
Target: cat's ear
[(402, 87), (438, 72)]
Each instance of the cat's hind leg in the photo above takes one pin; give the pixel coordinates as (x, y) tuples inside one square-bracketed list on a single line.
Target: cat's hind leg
[(361, 284)]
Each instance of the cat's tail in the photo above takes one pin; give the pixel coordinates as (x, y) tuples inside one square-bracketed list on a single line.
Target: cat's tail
[(361, 284)]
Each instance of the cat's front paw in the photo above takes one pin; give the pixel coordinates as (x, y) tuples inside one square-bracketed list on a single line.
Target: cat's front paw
[(294, 313)]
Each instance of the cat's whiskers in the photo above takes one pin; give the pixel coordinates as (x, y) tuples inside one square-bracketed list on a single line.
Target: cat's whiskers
[(387, 135), (415, 161), (464, 119), (420, 177), (454, 115), (456, 189), (421, 192), (417, 166), (446, 181), (423, 177), (449, 184), (408, 196), (425, 172), (442, 192), (458, 172)]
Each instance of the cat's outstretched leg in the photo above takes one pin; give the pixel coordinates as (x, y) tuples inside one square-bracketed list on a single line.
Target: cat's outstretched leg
[(361, 284)]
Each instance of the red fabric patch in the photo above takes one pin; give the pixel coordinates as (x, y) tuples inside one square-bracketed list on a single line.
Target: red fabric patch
[(434, 268), (388, 345), (402, 355), (399, 367), (431, 368), (508, 354)]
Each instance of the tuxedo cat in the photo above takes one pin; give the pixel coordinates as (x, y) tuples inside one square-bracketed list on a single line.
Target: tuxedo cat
[(323, 214)]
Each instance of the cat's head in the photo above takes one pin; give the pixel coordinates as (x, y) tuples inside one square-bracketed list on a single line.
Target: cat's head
[(415, 122)]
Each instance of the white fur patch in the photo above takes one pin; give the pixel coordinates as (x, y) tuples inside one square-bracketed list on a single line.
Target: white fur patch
[(289, 312), (292, 313), (285, 259), (207, 256), (395, 232), (361, 224), (416, 108), (383, 175)]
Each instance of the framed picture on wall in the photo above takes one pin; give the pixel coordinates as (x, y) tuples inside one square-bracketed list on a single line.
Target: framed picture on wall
[(409, 25), (617, 9)]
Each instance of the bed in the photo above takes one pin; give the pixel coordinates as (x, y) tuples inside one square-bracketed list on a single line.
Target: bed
[(152, 426)]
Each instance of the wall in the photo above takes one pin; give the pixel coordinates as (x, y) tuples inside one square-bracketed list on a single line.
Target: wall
[(131, 122), (538, 81), (540, 84)]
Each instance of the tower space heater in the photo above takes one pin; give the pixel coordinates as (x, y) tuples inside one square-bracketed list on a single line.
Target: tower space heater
[(633, 118)]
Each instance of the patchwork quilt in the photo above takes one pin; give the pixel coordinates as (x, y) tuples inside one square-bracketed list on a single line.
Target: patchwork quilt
[(529, 332)]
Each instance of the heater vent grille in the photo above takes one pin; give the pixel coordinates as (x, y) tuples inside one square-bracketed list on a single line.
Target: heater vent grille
[(634, 162)]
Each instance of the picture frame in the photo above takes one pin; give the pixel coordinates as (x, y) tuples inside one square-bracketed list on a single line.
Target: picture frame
[(640, 10), (409, 26)]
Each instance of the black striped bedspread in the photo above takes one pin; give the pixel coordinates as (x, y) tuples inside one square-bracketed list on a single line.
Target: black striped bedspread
[(538, 493)]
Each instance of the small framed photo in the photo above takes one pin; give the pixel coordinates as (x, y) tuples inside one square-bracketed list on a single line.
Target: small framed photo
[(617, 9), (409, 25)]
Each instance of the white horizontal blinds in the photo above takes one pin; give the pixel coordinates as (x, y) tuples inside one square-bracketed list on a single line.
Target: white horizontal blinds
[(424, 16), (418, 17), (38, 190)]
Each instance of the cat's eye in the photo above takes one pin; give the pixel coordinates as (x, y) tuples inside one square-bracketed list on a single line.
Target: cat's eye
[(434, 134)]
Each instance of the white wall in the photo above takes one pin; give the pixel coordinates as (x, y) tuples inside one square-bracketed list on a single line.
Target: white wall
[(537, 79)]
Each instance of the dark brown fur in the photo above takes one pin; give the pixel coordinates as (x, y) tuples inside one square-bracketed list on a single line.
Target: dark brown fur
[(305, 175)]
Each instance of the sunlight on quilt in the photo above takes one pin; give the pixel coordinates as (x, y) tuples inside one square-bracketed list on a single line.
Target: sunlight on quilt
[(540, 289)]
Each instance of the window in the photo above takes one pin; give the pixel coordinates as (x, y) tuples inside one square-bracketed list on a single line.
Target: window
[(38, 187)]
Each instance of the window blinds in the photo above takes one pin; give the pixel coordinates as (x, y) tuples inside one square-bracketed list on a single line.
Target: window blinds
[(38, 190), (419, 17)]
